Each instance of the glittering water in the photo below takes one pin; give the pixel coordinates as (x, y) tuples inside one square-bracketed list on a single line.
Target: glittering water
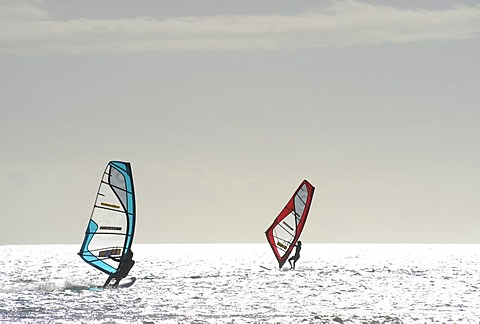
[(224, 283)]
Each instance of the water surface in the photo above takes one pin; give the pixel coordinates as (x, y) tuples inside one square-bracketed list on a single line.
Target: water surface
[(225, 283)]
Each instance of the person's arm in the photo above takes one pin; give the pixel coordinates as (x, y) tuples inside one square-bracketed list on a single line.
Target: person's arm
[(115, 258)]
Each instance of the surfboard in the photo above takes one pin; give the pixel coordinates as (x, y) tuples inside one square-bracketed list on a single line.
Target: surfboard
[(125, 283)]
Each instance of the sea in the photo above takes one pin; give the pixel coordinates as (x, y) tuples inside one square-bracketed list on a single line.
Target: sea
[(241, 283)]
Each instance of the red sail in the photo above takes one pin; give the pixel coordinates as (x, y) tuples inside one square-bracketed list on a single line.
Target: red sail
[(285, 230)]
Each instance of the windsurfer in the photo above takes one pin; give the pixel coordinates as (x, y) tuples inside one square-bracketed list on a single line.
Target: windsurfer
[(126, 264), (295, 258)]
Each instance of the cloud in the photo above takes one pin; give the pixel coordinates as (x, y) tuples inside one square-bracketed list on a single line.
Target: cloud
[(18, 11), (26, 29)]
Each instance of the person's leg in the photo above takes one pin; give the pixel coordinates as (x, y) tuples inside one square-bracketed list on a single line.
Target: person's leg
[(117, 281), (118, 277), (294, 261), (108, 281)]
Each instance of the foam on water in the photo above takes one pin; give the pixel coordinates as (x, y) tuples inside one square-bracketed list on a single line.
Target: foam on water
[(225, 283)]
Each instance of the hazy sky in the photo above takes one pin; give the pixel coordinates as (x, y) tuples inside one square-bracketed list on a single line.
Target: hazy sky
[(224, 107)]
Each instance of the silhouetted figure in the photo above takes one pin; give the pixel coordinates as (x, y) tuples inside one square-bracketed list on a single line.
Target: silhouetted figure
[(126, 263), (295, 258)]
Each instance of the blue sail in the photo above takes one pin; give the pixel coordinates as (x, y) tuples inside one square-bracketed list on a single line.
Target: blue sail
[(112, 223)]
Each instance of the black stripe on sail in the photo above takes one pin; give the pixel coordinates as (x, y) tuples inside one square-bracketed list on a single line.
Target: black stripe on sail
[(109, 233), (304, 202), (282, 239), (298, 217), (280, 225), (286, 224)]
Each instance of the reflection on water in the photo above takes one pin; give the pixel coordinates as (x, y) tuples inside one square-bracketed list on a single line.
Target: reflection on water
[(216, 283)]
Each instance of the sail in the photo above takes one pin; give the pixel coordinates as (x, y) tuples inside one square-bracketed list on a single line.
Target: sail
[(112, 223), (285, 230)]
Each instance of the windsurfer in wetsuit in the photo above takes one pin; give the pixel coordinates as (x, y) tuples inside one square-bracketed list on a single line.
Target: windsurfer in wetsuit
[(126, 263), (295, 258)]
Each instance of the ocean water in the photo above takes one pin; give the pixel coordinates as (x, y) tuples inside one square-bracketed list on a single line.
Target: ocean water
[(225, 283)]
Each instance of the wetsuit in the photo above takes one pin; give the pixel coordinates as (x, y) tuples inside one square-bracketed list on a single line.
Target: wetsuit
[(295, 258), (122, 272)]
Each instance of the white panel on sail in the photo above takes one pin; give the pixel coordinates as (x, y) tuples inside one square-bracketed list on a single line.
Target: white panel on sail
[(285, 232)]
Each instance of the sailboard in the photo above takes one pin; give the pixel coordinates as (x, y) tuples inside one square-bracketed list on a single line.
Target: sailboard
[(112, 223), (285, 230)]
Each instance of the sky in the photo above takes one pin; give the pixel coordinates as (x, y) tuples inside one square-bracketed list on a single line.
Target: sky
[(224, 107)]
